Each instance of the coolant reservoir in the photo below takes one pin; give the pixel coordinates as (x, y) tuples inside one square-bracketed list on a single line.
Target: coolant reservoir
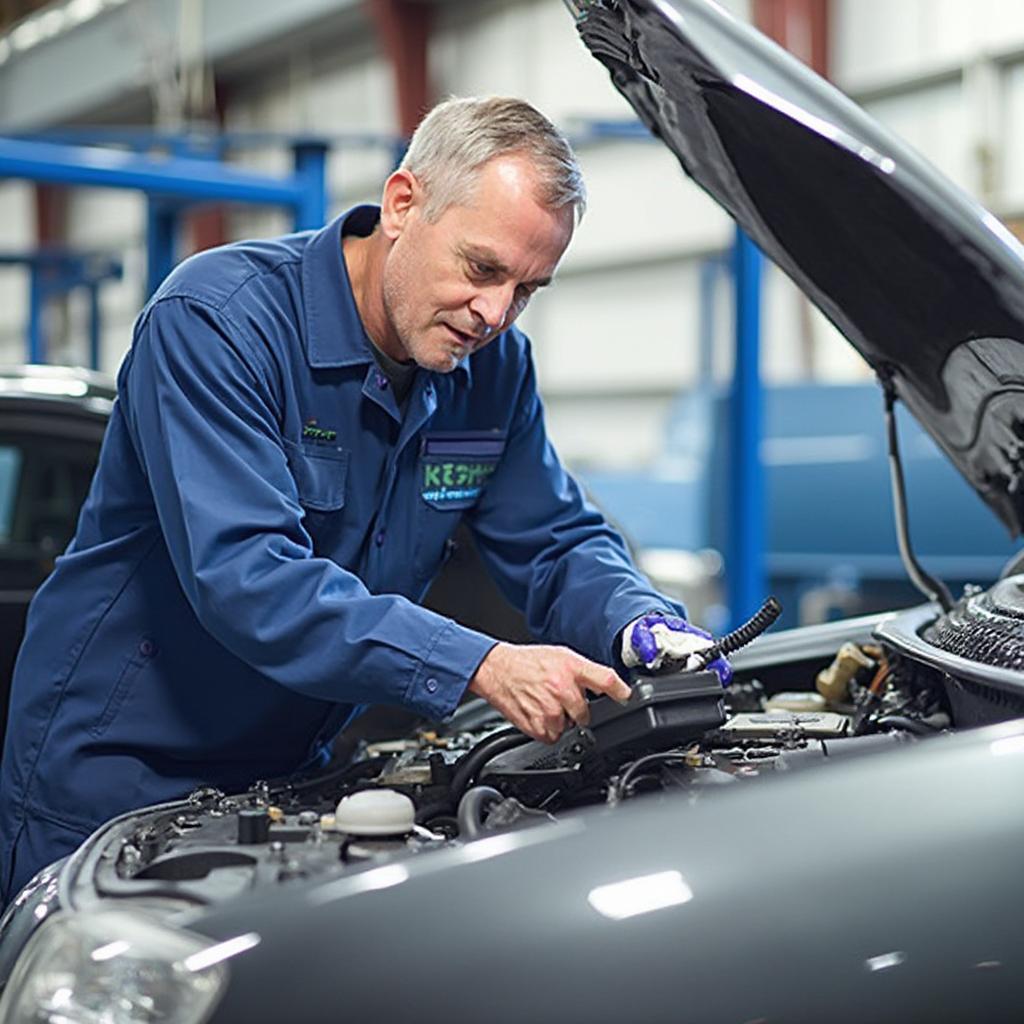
[(375, 812)]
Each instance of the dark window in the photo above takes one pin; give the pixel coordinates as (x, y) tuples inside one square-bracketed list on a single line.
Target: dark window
[(43, 482)]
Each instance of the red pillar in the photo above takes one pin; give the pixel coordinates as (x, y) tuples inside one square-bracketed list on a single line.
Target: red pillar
[(51, 202), (207, 226), (801, 26), (403, 27)]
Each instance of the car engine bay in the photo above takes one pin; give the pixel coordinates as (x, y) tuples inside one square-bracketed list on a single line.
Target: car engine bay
[(918, 675)]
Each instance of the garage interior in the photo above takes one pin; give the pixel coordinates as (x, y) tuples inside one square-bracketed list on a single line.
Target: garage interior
[(707, 407)]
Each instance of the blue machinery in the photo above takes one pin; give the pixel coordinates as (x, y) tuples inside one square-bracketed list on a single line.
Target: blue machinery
[(54, 272), (172, 185), (745, 551)]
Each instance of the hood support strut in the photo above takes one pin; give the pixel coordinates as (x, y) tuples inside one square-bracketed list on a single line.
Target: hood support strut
[(932, 588)]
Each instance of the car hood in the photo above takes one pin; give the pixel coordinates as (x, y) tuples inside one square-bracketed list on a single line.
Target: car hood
[(925, 283)]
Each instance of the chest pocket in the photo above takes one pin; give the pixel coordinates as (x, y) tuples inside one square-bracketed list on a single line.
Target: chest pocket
[(320, 473), (454, 466)]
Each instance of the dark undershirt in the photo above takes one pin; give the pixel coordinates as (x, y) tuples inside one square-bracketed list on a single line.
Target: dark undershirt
[(399, 375)]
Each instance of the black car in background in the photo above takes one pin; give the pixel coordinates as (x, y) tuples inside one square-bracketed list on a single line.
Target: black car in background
[(51, 423)]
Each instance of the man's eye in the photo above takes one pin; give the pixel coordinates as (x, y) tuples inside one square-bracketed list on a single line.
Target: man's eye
[(481, 269)]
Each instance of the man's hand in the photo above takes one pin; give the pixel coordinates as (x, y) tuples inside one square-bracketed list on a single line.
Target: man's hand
[(658, 640), (536, 687)]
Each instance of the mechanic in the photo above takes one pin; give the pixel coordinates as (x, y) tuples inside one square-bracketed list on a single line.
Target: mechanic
[(300, 425)]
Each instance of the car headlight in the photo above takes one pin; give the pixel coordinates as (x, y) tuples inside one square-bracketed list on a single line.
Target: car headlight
[(112, 967)]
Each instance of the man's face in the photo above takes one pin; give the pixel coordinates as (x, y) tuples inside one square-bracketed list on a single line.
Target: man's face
[(451, 286)]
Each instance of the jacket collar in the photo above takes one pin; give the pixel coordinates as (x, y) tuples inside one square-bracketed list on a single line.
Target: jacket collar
[(335, 336)]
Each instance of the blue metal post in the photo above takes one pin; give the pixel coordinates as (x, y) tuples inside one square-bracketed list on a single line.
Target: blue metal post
[(745, 571), (94, 325), (161, 242), (36, 301), (311, 172)]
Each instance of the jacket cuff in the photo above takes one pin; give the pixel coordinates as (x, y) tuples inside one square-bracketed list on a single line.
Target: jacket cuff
[(446, 669)]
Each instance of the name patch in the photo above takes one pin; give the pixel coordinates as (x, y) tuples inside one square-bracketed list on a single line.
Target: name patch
[(454, 466)]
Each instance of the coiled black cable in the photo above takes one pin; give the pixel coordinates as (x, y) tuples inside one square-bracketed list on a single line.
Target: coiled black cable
[(750, 630)]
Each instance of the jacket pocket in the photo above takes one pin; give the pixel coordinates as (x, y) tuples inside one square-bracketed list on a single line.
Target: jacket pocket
[(320, 474), (137, 661), (455, 465)]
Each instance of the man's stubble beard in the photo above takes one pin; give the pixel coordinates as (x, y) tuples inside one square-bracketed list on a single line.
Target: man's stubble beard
[(392, 288)]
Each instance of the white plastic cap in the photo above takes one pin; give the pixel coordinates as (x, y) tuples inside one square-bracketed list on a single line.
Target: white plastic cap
[(375, 812)]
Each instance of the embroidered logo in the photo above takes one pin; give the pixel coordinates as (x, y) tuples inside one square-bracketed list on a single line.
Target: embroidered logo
[(311, 432)]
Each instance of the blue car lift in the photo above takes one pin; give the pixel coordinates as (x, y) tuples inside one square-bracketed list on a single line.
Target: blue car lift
[(745, 554), (55, 272), (173, 183)]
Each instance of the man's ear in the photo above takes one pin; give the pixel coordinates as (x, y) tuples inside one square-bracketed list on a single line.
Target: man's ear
[(402, 198)]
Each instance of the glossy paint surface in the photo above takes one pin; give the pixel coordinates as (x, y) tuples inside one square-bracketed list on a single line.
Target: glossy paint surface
[(885, 888)]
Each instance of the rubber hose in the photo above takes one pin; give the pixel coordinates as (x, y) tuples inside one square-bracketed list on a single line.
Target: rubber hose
[(470, 763), (907, 725), (472, 808)]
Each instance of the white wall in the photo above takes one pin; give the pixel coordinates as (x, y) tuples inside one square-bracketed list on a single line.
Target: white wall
[(618, 333), (17, 232)]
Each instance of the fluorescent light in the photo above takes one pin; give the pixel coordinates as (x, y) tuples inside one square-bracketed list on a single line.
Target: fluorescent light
[(885, 961), (376, 878), (45, 386), (640, 895), (51, 22), (78, 11), (110, 951), (215, 954), (1007, 746), (492, 846), (26, 35)]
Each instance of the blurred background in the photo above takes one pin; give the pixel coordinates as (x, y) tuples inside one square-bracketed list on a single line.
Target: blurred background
[(634, 345)]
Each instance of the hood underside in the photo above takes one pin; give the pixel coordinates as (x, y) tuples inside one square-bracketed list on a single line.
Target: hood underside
[(926, 284)]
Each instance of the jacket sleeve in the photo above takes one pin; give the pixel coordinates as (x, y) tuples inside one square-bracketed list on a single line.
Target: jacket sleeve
[(552, 552), (198, 397)]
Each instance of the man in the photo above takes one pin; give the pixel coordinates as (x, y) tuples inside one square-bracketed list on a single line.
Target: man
[(301, 424)]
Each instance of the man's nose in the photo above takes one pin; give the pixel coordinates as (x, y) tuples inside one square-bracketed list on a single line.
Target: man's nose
[(491, 305)]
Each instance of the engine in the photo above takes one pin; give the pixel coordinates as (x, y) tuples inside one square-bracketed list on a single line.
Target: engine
[(680, 737)]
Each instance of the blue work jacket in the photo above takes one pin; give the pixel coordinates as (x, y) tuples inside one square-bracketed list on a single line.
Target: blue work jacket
[(262, 522)]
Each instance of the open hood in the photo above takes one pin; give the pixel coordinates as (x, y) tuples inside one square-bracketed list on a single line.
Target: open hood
[(924, 282)]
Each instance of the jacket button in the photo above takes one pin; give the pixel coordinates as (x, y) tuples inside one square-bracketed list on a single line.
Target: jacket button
[(379, 539), (147, 648), (432, 685)]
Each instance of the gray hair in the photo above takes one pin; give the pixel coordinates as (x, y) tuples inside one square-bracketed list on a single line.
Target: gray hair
[(460, 135)]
